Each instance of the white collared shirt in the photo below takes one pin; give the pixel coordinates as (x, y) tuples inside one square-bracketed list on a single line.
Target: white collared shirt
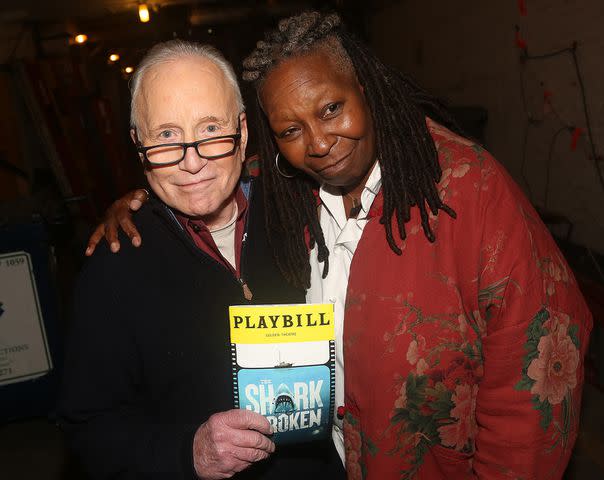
[(341, 238)]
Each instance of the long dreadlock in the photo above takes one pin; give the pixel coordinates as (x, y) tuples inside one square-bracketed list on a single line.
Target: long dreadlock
[(405, 150)]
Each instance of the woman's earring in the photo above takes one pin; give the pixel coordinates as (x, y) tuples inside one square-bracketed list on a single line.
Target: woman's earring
[(281, 172)]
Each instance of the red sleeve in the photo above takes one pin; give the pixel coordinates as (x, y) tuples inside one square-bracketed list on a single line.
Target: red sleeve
[(537, 329)]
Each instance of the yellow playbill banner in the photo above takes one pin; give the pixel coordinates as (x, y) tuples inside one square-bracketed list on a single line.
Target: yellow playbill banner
[(256, 324)]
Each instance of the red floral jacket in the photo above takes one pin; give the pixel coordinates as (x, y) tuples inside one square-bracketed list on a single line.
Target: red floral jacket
[(464, 357)]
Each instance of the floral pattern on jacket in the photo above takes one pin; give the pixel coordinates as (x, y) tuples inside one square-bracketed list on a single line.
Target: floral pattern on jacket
[(463, 357)]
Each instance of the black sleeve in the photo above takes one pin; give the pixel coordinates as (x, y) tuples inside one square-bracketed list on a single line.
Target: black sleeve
[(102, 405)]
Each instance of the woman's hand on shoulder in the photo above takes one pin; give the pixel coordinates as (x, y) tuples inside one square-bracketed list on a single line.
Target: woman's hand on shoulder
[(119, 215)]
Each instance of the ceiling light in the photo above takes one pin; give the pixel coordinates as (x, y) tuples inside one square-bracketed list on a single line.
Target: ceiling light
[(114, 57), (128, 70), (143, 13), (81, 38)]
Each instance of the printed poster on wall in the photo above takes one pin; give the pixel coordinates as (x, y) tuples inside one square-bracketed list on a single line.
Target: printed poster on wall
[(24, 352)]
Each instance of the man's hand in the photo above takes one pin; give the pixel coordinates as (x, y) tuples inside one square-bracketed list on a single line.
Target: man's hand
[(229, 442), (119, 214)]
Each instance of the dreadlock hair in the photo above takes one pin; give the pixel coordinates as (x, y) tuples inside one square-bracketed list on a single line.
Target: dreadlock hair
[(405, 150)]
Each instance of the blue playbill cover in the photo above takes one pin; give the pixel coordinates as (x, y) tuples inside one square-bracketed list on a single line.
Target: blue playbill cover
[(283, 360)]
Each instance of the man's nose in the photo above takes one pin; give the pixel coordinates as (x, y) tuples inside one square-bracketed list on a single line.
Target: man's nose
[(192, 162), (319, 142)]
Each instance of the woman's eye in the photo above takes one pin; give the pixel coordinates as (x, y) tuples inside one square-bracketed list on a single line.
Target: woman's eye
[(288, 133), (332, 108), (165, 134), (212, 128)]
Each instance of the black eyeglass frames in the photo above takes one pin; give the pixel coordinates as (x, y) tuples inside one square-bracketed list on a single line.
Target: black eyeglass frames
[(213, 148)]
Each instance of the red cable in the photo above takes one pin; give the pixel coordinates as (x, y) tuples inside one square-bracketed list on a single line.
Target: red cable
[(522, 7), (574, 138)]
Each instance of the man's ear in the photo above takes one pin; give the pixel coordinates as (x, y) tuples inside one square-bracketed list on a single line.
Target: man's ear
[(135, 140), (244, 133)]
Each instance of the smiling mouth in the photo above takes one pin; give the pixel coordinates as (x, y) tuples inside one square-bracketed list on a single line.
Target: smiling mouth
[(194, 184), (336, 163)]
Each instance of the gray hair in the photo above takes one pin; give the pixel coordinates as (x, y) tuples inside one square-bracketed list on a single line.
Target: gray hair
[(170, 51)]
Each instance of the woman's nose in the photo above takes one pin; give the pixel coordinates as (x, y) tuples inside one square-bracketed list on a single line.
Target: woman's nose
[(319, 142)]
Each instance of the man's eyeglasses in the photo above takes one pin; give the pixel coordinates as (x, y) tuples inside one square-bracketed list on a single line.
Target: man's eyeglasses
[(168, 154)]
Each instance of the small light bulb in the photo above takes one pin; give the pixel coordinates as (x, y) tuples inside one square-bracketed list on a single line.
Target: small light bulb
[(143, 13), (81, 38), (128, 70), (114, 57)]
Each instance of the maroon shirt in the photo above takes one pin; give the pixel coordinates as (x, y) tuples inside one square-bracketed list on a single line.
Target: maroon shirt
[(202, 237)]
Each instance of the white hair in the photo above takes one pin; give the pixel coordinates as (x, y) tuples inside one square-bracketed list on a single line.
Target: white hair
[(170, 51)]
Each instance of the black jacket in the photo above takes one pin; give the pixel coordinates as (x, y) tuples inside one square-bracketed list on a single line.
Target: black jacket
[(148, 358)]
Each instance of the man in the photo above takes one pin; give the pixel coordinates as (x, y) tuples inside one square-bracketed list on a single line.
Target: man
[(147, 385)]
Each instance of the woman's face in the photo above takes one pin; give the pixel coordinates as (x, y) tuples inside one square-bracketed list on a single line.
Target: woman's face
[(320, 119)]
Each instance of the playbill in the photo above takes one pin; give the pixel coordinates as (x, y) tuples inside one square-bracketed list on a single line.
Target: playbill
[(284, 367)]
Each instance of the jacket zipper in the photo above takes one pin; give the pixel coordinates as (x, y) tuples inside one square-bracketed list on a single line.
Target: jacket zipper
[(247, 292)]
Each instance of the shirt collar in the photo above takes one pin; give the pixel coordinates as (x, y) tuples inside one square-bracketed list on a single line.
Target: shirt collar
[(374, 182), (331, 197), (184, 220)]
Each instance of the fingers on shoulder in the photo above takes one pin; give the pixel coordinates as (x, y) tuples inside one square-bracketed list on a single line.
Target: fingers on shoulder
[(138, 198), (95, 238)]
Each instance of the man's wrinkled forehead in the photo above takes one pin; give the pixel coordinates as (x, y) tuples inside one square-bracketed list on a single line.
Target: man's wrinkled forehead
[(193, 85)]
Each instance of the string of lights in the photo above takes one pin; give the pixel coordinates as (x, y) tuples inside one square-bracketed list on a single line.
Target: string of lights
[(144, 16)]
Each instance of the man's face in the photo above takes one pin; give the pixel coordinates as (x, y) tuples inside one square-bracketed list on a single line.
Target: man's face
[(183, 101)]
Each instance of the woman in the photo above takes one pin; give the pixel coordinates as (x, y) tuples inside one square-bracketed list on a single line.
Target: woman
[(464, 327)]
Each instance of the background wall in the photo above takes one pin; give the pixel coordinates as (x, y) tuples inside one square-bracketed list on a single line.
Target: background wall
[(467, 52)]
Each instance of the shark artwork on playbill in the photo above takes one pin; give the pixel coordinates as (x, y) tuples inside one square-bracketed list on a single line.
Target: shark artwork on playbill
[(284, 367)]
